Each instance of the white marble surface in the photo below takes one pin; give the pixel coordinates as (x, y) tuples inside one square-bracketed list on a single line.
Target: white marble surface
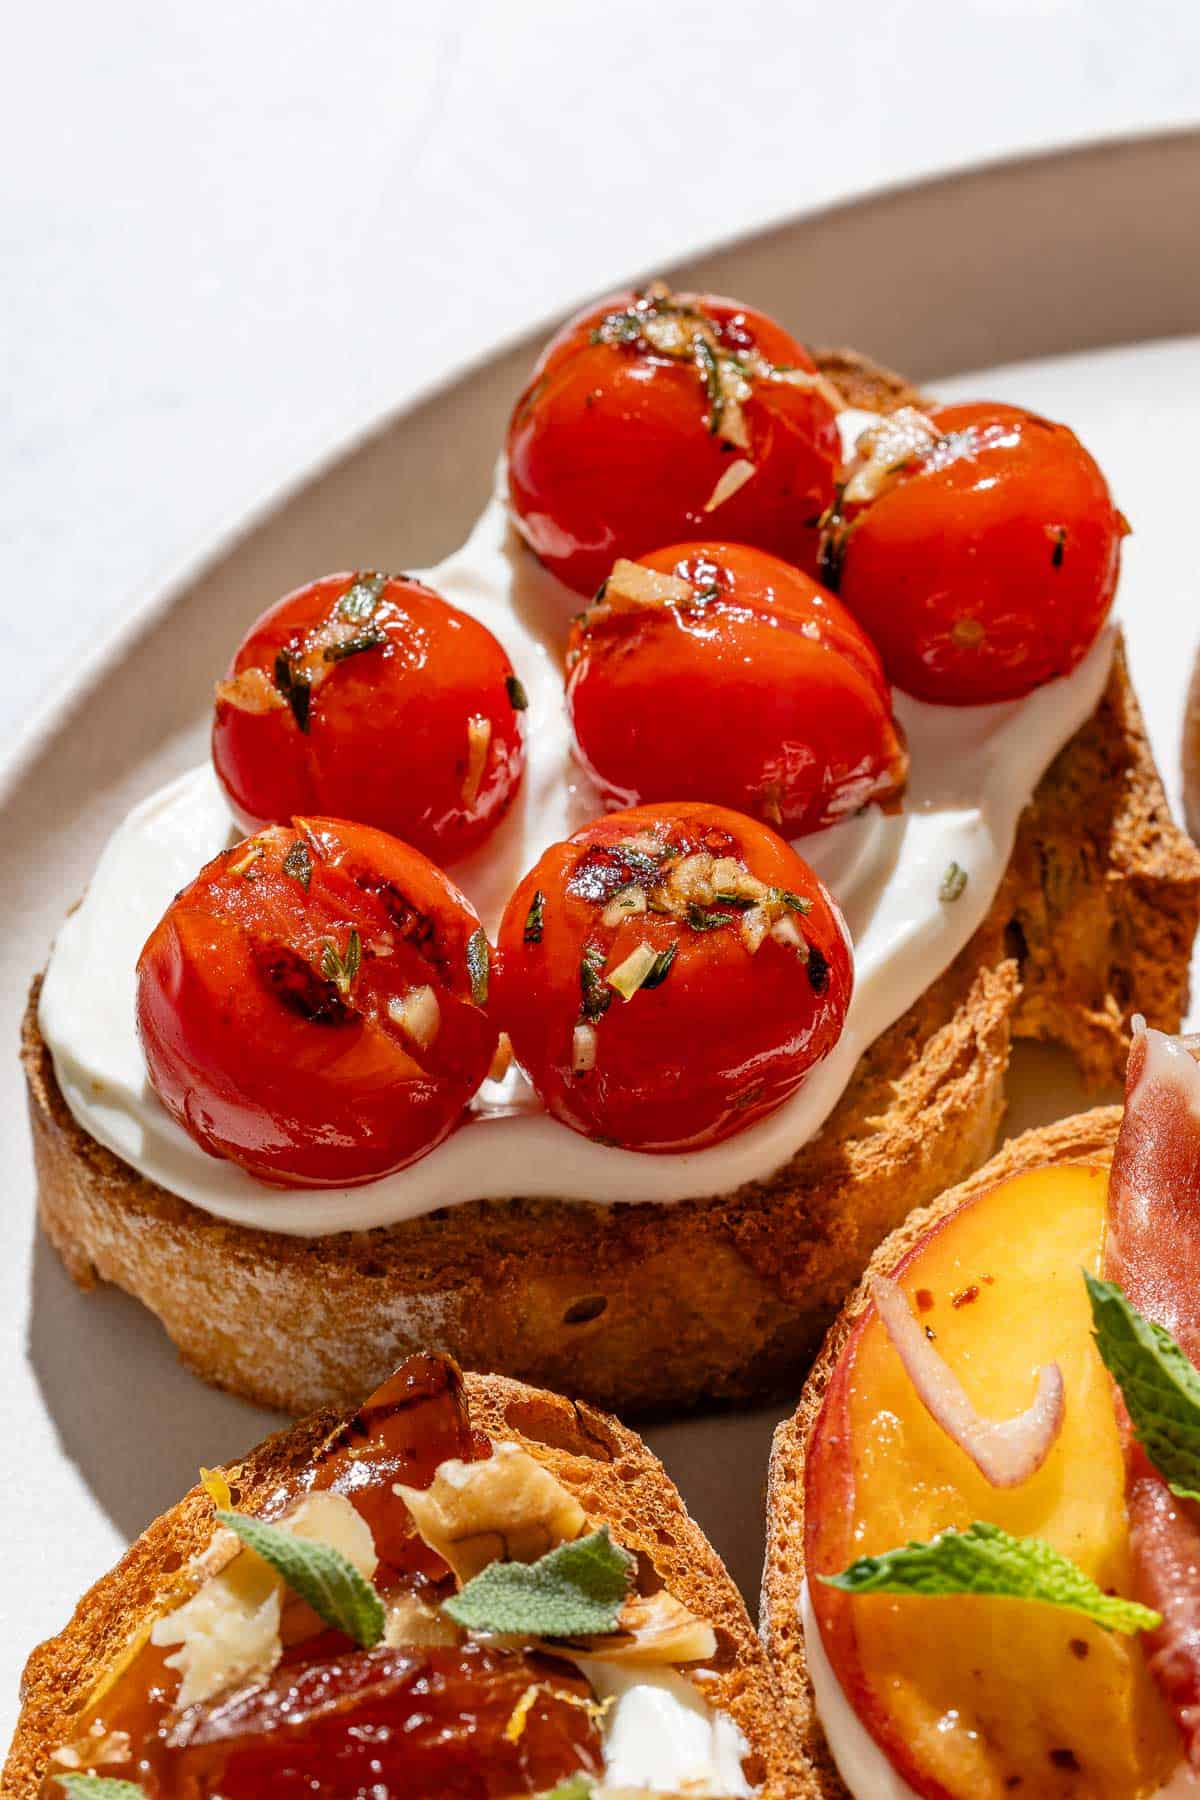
[(232, 233)]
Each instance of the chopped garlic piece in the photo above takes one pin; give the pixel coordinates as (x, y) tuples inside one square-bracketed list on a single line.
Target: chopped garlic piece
[(755, 926), (229, 1630), (629, 975), (411, 1621), (244, 864), (583, 1049), (479, 737), (502, 1060), (786, 931), (805, 378), (729, 876), (418, 1015), (632, 585), (507, 1508), (735, 477), (884, 448), (252, 691), (624, 903)]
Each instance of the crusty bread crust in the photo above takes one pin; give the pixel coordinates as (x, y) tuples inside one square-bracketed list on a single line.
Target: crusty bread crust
[(1087, 1138), (642, 1307), (616, 1480)]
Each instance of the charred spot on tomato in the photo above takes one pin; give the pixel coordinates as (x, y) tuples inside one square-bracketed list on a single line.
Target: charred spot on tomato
[(1060, 547), (297, 986), (417, 928), (606, 868), (818, 970)]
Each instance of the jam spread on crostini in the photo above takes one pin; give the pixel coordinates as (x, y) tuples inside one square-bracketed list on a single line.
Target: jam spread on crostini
[(432, 1709)]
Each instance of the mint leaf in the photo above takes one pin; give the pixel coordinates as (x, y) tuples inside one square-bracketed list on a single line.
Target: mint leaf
[(317, 1572), (100, 1787), (1159, 1385), (574, 1591), (985, 1560)]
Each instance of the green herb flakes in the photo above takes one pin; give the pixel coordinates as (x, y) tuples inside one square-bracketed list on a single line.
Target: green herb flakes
[(298, 864), (535, 919), (953, 883), (479, 965), (339, 969)]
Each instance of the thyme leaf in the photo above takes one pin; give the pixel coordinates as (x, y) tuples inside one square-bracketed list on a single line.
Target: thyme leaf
[(298, 864), (516, 693), (361, 597), (597, 996), (662, 966), (295, 688), (535, 919), (370, 639), (339, 969)]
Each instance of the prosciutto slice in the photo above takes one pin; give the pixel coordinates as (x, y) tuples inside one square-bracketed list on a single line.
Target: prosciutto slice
[(1153, 1253)]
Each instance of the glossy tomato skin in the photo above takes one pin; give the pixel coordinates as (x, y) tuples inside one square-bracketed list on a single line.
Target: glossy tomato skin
[(762, 694), (610, 451), (267, 1033), (989, 565), (722, 1035), (372, 698)]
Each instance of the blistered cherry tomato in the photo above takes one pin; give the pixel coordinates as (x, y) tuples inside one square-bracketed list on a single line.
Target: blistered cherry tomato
[(370, 697), (401, 1724), (655, 417), (312, 1006), (669, 975), (716, 672), (979, 547)]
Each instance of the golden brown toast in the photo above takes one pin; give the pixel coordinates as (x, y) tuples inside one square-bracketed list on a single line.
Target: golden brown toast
[(643, 1307), (616, 1480), (1087, 1138)]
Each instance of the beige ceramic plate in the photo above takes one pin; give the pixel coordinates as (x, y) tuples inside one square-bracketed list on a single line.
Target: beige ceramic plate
[(1058, 257)]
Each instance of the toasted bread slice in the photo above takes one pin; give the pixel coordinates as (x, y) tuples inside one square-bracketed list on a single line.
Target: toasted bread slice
[(645, 1307), (609, 1470), (1087, 1138)]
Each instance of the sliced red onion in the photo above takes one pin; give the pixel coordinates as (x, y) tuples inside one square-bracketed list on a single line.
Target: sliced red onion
[(1005, 1451)]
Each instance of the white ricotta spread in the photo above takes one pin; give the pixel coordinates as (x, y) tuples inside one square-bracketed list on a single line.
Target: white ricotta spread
[(660, 1733), (861, 1764), (973, 769)]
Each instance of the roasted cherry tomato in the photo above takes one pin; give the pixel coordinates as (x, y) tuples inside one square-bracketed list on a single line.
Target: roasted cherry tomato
[(653, 417), (978, 546), (312, 1006), (715, 672), (669, 975), (370, 697), (403, 1724)]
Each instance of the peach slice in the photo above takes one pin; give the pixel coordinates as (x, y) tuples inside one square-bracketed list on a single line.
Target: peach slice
[(976, 1696)]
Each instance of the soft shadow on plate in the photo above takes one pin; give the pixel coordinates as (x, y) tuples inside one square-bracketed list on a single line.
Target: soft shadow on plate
[(134, 1421), (1043, 1085)]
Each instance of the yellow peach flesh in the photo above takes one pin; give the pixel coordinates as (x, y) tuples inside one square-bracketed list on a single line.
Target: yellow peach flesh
[(996, 1697)]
